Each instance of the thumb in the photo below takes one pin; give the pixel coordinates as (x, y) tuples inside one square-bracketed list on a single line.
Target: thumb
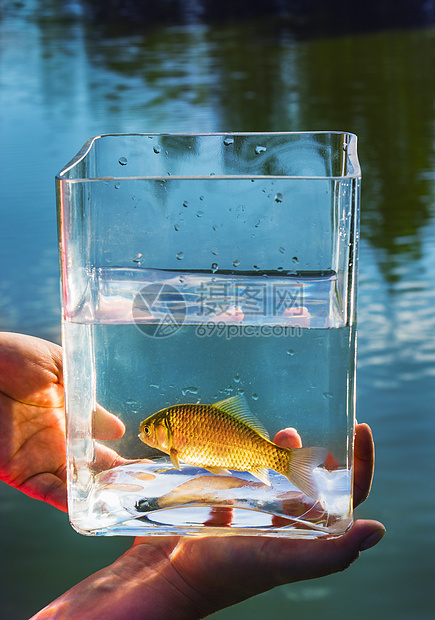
[(336, 554)]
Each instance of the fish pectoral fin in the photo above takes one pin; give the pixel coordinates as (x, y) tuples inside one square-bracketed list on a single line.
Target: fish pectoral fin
[(174, 458), (218, 471), (262, 473)]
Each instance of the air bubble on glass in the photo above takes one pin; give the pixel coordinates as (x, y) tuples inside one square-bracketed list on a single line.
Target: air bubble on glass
[(279, 197), (260, 149), (189, 390), (122, 161), (180, 255), (137, 258)]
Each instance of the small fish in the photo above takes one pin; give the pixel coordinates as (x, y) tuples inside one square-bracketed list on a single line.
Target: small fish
[(226, 436)]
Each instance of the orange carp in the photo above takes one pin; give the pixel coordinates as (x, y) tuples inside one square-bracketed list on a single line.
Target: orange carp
[(226, 436)]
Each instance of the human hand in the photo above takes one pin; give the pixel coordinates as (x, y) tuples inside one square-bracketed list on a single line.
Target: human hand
[(32, 420), (174, 576), (190, 578)]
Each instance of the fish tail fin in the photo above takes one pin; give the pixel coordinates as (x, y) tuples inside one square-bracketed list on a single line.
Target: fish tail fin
[(302, 462)]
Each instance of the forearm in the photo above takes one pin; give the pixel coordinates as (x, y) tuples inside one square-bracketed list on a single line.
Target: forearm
[(129, 589)]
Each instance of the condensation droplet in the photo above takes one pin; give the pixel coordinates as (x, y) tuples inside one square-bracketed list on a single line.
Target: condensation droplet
[(228, 141), (260, 149), (254, 396), (214, 267), (137, 258), (189, 390), (117, 185), (236, 263), (241, 392), (180, 255), (215, 251), (256, 267), (282, 250), (201, 197), (122, 161), (290, 352), (279, 197), (200, 214), (157, 149), (185, 203), (295, 259), (237, 379), (327, 395), (177, 227), (155, 386)]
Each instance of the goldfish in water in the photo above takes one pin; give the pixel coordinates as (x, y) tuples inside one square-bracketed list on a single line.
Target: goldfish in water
[(226, 436)]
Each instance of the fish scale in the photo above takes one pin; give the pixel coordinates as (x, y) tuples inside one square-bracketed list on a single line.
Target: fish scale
[(206, 437)]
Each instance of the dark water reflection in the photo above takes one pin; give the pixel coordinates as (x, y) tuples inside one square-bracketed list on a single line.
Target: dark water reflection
[(66, 74)]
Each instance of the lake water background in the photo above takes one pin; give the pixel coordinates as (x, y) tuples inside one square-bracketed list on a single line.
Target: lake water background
[(68, 72)]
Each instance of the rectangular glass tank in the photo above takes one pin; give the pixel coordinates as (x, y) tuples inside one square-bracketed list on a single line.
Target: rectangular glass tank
[(210, 279)]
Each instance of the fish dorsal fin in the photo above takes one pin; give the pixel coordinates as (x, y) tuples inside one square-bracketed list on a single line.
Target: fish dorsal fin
[(237, 407)]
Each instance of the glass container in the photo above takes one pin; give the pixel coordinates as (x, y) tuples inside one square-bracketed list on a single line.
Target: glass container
[(209, 303)]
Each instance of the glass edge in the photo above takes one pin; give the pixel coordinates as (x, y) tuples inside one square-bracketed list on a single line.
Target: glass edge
[(350, 146), (79, 157), (352, 154)]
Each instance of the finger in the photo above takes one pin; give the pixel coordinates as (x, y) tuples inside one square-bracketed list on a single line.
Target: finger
[(220, 516), (107, 425), (106, 458), (31, 370), (364, 455), (48, 488), (288, 438), (317, 558)]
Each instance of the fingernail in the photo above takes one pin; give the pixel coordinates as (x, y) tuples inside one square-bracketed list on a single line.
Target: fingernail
[(372, 539)]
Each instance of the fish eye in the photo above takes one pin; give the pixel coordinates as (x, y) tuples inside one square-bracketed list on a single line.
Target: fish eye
[(147, 430)]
